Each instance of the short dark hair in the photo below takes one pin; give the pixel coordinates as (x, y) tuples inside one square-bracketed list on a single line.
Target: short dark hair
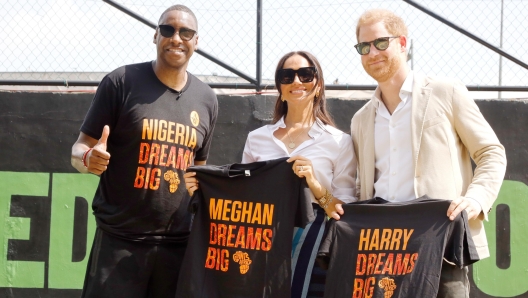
[(319, 105), (180, 8)]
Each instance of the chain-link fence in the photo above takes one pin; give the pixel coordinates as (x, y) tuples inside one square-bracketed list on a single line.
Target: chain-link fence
[(84, 39)]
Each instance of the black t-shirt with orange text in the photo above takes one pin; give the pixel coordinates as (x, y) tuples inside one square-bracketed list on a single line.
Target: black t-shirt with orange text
[(389, 250), (241, 239), (155, 134)]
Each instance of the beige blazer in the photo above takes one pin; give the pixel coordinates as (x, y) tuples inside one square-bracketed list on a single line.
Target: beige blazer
[(447, 130)]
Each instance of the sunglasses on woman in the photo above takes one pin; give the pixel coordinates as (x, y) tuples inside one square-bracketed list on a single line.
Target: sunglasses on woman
[(305, 74), (168, 32), (381, 44)]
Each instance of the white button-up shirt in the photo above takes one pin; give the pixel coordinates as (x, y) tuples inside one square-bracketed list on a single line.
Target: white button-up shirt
[(394, 178), (329, 150)]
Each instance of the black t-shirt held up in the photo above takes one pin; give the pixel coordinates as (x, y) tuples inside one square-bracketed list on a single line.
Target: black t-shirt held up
[(155, 134), (241, 238), (389, 250)]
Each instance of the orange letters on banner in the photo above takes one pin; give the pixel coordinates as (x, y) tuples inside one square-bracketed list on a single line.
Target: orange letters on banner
[(363, 288), (217, 259), (385, 263)]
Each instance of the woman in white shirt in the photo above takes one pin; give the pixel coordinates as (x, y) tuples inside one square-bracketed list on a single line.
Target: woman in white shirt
[(303, 130)]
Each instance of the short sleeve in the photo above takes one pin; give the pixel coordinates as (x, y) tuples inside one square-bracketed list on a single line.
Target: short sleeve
[(103, 110), (460, 249), (203, 152)]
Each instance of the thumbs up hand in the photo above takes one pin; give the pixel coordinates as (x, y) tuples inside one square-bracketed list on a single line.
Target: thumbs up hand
[(101, 145), (97, 159)]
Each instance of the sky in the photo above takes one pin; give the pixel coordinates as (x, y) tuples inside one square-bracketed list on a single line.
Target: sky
[(92, 36)]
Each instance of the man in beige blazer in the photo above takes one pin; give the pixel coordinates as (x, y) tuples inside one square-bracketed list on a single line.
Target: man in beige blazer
[(416, 136)]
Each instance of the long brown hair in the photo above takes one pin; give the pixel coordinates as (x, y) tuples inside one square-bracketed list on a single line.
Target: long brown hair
[(319, 105)]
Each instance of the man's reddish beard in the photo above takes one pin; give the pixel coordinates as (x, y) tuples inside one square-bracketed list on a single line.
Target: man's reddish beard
[(382, 73)]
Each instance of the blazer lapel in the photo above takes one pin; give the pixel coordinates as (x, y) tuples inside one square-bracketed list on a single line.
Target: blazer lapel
[(368, 149), (420, 101)]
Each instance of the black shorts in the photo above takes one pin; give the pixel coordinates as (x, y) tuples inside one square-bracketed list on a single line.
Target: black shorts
[(122, 268)]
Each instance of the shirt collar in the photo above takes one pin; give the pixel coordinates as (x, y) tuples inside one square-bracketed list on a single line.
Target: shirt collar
[(406, 88), (376, 98), (279, 124), (407, 85), (316, 130)]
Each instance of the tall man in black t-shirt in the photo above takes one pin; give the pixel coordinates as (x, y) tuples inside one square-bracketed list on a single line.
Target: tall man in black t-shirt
[(147, 123)]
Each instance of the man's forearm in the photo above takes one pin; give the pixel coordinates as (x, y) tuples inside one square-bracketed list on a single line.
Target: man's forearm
[(78, 150)]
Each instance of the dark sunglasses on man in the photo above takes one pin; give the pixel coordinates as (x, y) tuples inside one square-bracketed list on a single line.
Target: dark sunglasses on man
[(305, 74), (381, 44), (168, 32)]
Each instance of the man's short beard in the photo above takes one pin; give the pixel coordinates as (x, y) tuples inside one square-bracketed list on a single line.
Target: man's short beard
[(385, 73)]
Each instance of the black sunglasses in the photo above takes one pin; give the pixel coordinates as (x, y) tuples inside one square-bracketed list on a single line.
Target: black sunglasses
[(381, 44), (287, 75), (168, 32)]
